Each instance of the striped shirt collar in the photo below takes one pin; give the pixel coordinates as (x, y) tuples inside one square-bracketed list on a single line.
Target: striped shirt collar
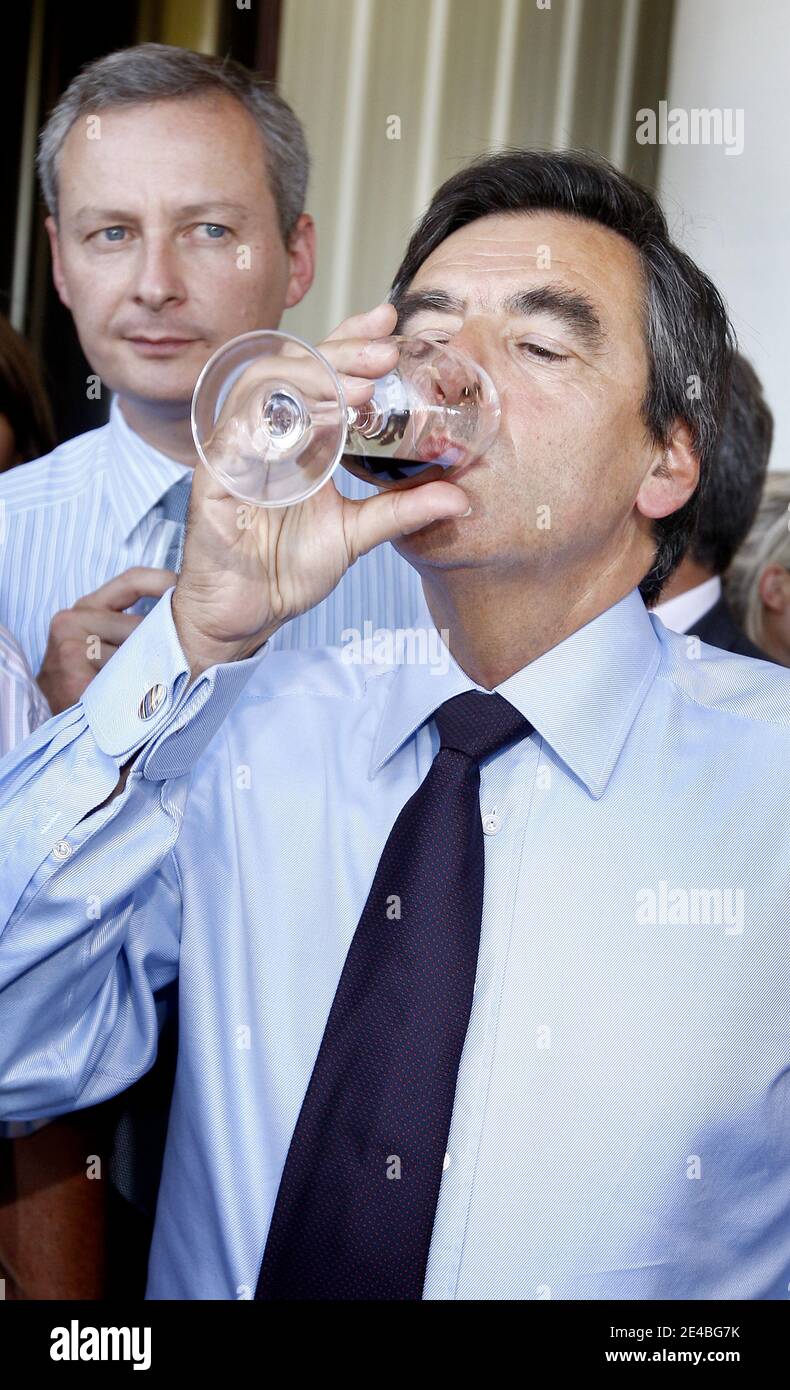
[(137, 476), (581, 696)]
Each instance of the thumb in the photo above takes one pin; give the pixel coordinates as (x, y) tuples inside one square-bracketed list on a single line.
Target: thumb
[(399, 512)]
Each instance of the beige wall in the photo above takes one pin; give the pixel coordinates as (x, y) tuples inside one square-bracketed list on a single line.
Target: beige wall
[(732, 212), (461, 77)]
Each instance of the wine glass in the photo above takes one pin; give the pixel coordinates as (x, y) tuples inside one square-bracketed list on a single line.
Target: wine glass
[(271, 423)]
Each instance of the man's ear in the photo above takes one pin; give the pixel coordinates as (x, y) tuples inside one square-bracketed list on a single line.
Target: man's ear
[(673, 475), (301, 260), (57, 265)]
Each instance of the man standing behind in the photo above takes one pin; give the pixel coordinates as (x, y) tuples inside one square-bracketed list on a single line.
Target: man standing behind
[(175, 184), (692, 600)]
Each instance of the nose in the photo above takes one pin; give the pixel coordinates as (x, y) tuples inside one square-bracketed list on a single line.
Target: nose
[(475, 340), (158, 281), (454, 382), (451, 384)]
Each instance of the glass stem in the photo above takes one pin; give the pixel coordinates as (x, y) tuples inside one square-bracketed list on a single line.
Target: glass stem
[(367, 420)]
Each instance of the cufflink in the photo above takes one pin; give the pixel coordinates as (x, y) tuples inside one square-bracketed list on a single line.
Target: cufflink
[(152, 701)]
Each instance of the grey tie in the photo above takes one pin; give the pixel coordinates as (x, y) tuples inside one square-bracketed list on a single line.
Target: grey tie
[(175, 505)]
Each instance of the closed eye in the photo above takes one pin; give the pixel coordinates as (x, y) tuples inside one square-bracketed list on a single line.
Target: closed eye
[(543, 354), (434, 335)]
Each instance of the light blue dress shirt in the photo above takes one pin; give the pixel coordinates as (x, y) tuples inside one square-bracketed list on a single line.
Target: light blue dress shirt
[(621, 1127), (92, 508), (22, 709)]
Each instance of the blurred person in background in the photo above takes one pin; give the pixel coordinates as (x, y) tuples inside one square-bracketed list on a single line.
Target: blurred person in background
[(758, 581), (692, 599), (26, 427)]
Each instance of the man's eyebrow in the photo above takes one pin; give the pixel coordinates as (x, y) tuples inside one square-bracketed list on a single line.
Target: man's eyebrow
[(414, 302), (573, 309), (211, 205), (91, 213)]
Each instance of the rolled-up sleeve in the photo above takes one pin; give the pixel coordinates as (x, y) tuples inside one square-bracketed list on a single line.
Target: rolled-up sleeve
[(90, 898)]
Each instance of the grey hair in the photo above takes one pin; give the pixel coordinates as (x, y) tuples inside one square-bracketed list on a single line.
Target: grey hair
[(158, 72), (768, 543)]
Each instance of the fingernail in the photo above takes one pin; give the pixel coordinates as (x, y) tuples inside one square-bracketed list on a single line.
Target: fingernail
[(379, 346), (468, 512)]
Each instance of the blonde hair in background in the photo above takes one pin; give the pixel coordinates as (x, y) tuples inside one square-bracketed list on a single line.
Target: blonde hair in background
[(768, 543)]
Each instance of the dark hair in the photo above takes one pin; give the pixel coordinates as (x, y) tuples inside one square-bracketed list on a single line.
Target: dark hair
[(23, 399), (737, 473), (687, 331)]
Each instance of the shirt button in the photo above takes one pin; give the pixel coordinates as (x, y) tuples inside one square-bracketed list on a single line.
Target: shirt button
[(491, 823), (152, 701), (61, 849), (446, 1163)]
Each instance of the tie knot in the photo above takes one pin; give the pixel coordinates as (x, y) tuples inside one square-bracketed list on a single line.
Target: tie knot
[(478, 724)]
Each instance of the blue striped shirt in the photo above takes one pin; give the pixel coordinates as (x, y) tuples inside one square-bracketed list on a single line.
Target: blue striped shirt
[(22, 704), (620, 1126), (22, 709), (89, 510)]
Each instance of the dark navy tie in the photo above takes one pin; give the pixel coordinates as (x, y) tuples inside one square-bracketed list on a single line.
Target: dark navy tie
[(358, 1193)]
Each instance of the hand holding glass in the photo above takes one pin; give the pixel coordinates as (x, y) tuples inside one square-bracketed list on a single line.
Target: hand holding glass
[(271, 423)]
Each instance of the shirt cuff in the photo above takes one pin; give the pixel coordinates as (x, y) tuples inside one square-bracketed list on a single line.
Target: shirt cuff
[(142, 698)]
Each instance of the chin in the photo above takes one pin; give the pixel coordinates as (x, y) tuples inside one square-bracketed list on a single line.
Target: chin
[(170, 382), (156, 377), (443, 545)]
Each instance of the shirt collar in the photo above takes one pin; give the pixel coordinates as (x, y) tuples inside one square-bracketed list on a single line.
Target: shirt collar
[(682, 612), (138, 475), (582, 696)]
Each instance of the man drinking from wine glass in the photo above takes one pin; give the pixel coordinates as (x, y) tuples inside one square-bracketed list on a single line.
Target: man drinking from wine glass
[(479, 971)]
